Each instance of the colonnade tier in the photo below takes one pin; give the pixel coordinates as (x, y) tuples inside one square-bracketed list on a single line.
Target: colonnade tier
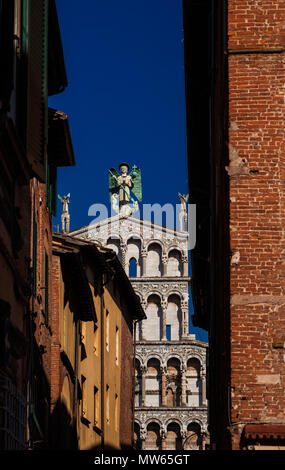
[(172, 384), (150, 259), (154, 434)]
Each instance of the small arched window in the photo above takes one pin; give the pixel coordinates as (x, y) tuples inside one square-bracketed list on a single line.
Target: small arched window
[(133, 267)]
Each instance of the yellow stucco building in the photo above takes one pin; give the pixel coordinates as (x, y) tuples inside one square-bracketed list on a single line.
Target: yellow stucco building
[(94, 308)]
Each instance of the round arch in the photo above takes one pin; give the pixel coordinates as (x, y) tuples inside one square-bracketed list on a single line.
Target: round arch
[(151, 420), (174, 356), (135, 236), (174, 247), (153, 241), (153, 356), (173, 421), (154, 292)]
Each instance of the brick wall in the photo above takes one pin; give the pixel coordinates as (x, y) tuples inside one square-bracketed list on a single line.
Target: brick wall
[(256, 77)]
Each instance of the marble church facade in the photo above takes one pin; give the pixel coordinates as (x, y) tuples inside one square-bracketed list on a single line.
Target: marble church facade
[(170, 364)]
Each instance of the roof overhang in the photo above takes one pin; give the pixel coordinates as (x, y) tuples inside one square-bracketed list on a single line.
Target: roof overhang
[(57, 78), (106, 261), (60, 147), (75, 277), (264, 431)]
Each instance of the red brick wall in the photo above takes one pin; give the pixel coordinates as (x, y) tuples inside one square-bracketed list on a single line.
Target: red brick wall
[(256, 76)]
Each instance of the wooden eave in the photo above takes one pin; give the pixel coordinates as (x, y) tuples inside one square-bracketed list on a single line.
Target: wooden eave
[(60, 147)]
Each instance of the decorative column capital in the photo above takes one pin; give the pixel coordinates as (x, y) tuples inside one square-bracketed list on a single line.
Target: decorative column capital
[(164, 304), (164, 258), (123, 247)]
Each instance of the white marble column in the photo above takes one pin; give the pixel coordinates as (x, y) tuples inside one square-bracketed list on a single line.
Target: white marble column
[(143, 374), (185, 265), (203, 379), (143, 436), (144, 306), (124, 253), (185, 320), (163, 371), (164, 260), (143, 256), (164, 309), (183, 386)]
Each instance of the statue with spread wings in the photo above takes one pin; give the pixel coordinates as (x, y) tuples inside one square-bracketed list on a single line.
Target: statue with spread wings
[(121, 186)]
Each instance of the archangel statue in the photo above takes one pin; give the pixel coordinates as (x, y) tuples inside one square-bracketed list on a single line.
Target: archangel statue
[(65, 217), (121, 188)]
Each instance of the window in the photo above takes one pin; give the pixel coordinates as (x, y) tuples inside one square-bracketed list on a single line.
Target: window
[(108, 404), (116, 412), (107, 329), (96, 407), (96, 340), (83, 332), (117, 345), (13, 408), (84, 397), (133, 267), (168, 332)]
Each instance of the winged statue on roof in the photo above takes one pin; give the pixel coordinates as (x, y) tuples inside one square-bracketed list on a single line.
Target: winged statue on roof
[(122, 188)]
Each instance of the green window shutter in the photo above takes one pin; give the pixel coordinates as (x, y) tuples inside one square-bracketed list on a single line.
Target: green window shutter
[(37, 107), (46, 277)]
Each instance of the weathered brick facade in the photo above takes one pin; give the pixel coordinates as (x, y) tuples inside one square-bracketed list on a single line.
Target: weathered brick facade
[(257, 210), (245, 208)]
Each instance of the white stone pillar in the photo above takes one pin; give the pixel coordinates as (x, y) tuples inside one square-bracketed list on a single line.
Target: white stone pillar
[(143, 256), (163, 438), (164, 260), (124, 253), (185, 320), (143, 435), (143, 374), (203, 378), (163, 371), (185, 265), (144, 306), (164, 309), (183, 386)]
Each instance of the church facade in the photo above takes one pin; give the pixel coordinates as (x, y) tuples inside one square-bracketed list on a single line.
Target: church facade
[(170, 364)]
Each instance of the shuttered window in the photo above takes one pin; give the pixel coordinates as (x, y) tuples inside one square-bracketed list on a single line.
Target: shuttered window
[(35, 48)]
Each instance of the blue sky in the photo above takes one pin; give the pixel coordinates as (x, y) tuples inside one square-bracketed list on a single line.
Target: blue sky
[(125, 100)]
